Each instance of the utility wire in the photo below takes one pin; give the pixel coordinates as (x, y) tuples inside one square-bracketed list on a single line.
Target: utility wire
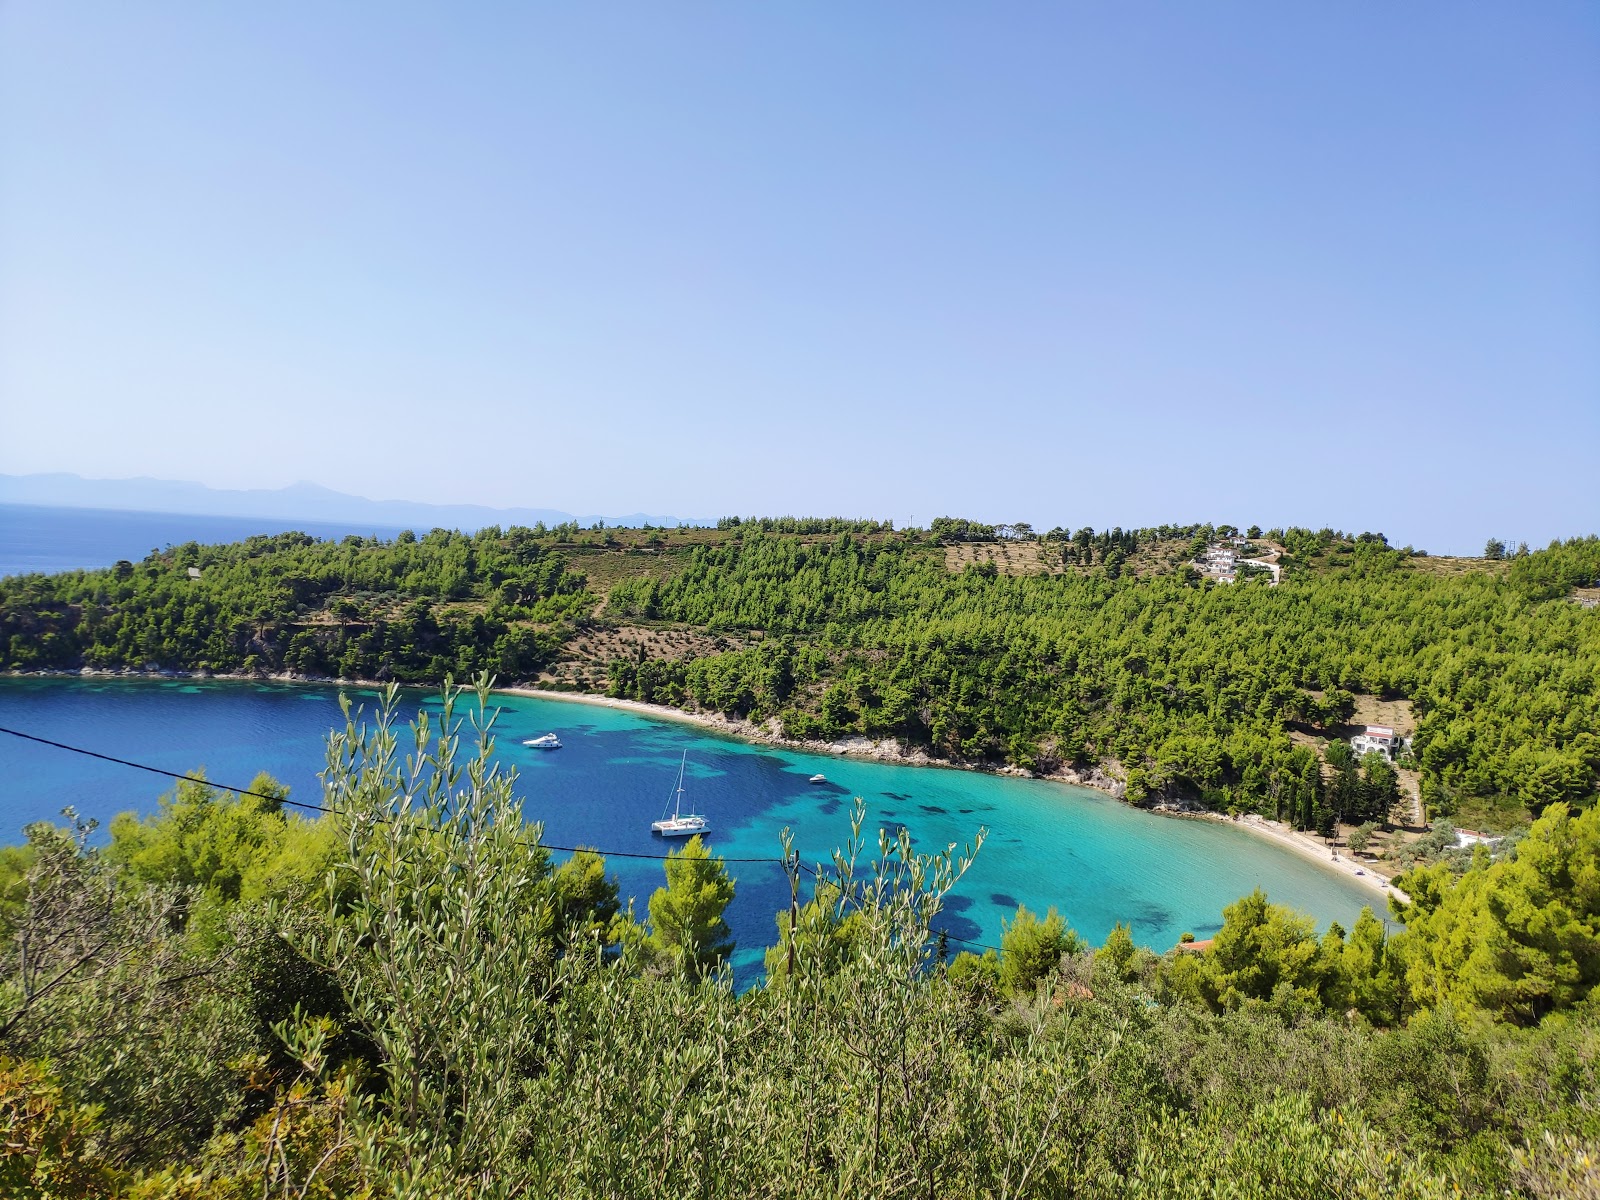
[(138, 766), (123, 762), (965, 941), (318, 808)]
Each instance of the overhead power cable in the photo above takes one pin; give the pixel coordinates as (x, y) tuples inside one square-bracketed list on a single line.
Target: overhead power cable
[(319, 808), (965, 941)]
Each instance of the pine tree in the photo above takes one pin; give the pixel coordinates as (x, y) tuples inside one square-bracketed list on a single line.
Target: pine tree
[(686, 916), (1031, 948)]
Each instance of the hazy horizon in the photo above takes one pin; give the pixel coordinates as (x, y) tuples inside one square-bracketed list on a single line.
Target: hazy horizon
[(1064, 264), (301, 502)]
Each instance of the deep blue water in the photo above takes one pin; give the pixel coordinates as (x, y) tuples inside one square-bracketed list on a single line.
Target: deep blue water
[(1097, 860), (39, 538)]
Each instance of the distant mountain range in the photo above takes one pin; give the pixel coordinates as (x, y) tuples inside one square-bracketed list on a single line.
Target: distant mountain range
[(298, 502)]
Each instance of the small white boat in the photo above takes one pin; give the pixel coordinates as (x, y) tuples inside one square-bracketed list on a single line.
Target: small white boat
[(680, 823), (819, 778), (548, 741), (680, 826)]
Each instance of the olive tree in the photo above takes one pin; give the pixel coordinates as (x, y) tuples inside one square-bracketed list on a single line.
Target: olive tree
[(440, 936)]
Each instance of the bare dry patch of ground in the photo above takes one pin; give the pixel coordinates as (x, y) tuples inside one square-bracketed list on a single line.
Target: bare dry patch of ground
[(1009, 558), (1409, 811), (1044, 558), (605, 568), (369, 609), (1158, 558), (1397, 714), (1588, 597), (585, 660), (1444, 564), (322, 619), (455, 610)]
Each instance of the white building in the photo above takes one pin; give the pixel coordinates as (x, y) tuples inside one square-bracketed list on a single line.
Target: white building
[(1219, 562), (1381, 738)]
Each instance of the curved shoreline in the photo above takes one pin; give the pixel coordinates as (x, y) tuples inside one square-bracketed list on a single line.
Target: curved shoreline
[(885, 750), (890, 751), (1301, 843)]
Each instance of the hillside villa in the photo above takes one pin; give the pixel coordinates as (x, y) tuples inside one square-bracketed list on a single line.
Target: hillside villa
[(1381, 738)]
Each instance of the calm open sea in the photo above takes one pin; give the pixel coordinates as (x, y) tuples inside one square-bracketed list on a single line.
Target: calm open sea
[(1097, 860), (37, 538)]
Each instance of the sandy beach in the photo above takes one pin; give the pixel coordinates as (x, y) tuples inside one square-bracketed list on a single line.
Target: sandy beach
[(1305, 844), (661, 711), (888, 750), (884, 750)]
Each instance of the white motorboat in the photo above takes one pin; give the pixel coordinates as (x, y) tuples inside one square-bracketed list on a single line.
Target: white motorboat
[(680, 823), (548, 741), (818, 778)]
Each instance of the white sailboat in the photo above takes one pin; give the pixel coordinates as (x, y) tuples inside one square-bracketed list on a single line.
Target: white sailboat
[(680, 823)]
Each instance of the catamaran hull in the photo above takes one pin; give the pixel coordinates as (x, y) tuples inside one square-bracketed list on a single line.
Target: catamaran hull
[(677, 831)]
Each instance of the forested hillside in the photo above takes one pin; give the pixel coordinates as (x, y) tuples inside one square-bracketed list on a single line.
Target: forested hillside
[(1118, 654), (1181, 683), (415, 609), (227, 1001)]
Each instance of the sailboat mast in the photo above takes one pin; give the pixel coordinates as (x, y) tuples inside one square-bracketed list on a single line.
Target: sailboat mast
[(677, 802)]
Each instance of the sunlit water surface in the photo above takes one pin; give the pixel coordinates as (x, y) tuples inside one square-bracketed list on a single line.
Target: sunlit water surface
[(1096, 860)]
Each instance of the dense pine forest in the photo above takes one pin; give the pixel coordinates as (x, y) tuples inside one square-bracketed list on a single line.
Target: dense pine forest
[(1063, 649), (408, 996)]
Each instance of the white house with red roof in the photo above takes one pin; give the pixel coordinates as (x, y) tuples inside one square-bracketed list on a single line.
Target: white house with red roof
[(1381, 738)]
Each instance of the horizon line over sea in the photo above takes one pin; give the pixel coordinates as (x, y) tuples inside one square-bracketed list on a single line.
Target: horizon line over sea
[(48, 539)]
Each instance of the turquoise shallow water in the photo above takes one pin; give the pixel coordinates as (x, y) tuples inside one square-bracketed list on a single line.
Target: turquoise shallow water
[(1096, 860)]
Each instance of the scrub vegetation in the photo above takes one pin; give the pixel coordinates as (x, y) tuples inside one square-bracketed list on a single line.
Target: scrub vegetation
[(408, 997)]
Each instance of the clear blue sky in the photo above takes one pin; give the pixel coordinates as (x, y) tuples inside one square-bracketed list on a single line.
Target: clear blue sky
[(1066, 263)]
